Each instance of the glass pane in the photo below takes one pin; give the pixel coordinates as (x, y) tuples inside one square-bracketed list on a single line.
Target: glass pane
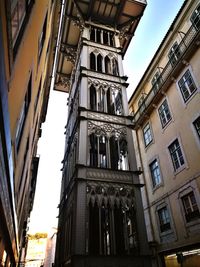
[(21, 10), (14, 23)]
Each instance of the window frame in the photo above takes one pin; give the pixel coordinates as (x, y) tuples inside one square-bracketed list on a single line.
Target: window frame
[(194, 16), (16, 39), (154, 178), (194, 214), (191, 94), (183, 191), (197, 130), (149, 130), (164, 226), (42, 36), (174, 54), (23, 114), (181, 166), (156, 82), (162, 111), (141, 103), (168, 233)]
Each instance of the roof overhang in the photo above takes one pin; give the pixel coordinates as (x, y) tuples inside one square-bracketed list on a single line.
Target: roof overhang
[(121, 15)]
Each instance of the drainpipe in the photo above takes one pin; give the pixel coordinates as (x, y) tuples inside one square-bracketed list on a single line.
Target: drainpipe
[(144, 192)]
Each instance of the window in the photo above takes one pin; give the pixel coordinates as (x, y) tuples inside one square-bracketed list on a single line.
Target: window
[(195, 18), (176, 155), (174, 54), (23, 114), (112, 230), (92, 61), (20, 11), (108, 153), (197, 125), (187, 85), (164, 113), (92, 34), (107, 65), (164, 219), (99, 62), (115, 67), (141, 104), (101, 36), (17, 18), (147, 134), (156, 81), (106, 99), (42, 37), (37, 96), (155, 173), (190, 207), (93, 98)]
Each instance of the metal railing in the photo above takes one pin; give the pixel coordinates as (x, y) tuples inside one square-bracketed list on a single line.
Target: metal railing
[(167, 70)]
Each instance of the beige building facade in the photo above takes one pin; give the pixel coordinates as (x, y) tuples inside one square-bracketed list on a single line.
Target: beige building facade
[(166, 115), (26, 30)]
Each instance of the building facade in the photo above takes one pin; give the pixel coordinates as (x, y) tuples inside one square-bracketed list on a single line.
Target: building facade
[(36, 250), (26, 29), (101, 221), (166, 115), (50, 249)]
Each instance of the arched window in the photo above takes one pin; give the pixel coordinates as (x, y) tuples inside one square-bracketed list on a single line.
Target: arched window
[(123, 155), (101, 102), (93, 98), (103, 152), (114, 157), (108, 153), (115, 67), (93, 150), (94, 237), (92, 61), (118, 104), (107, 65), (118, 153), (106, 229), (110, 104), (125, 229), (114, 102), (119, 230), (99, 62), (98, 151)]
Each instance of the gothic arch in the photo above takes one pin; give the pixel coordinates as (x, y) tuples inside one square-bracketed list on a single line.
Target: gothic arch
[(92, 61)]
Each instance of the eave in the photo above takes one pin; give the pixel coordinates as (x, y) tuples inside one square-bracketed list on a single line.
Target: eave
[(122, 16)]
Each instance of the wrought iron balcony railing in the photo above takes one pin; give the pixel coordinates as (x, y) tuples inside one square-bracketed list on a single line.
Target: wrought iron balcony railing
[(189, 37)]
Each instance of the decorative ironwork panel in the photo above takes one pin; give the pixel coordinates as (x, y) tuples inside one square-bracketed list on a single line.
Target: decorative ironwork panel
[(109, 175)]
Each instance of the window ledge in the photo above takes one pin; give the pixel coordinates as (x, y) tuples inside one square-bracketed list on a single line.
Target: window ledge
[(180, 169), (167, 124), (154, 189), (191, 97)]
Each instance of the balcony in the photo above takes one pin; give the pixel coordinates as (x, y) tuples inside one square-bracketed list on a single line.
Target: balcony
[(172, 69)]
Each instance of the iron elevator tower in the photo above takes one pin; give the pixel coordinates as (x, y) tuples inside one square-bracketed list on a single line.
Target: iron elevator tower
[(101, 221)]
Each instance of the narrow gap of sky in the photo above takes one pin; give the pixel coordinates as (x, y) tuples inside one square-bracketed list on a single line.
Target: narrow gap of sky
[(152, 28), (157, 18)]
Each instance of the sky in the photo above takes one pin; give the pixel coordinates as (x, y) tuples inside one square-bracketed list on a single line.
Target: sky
[(152, 28)]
